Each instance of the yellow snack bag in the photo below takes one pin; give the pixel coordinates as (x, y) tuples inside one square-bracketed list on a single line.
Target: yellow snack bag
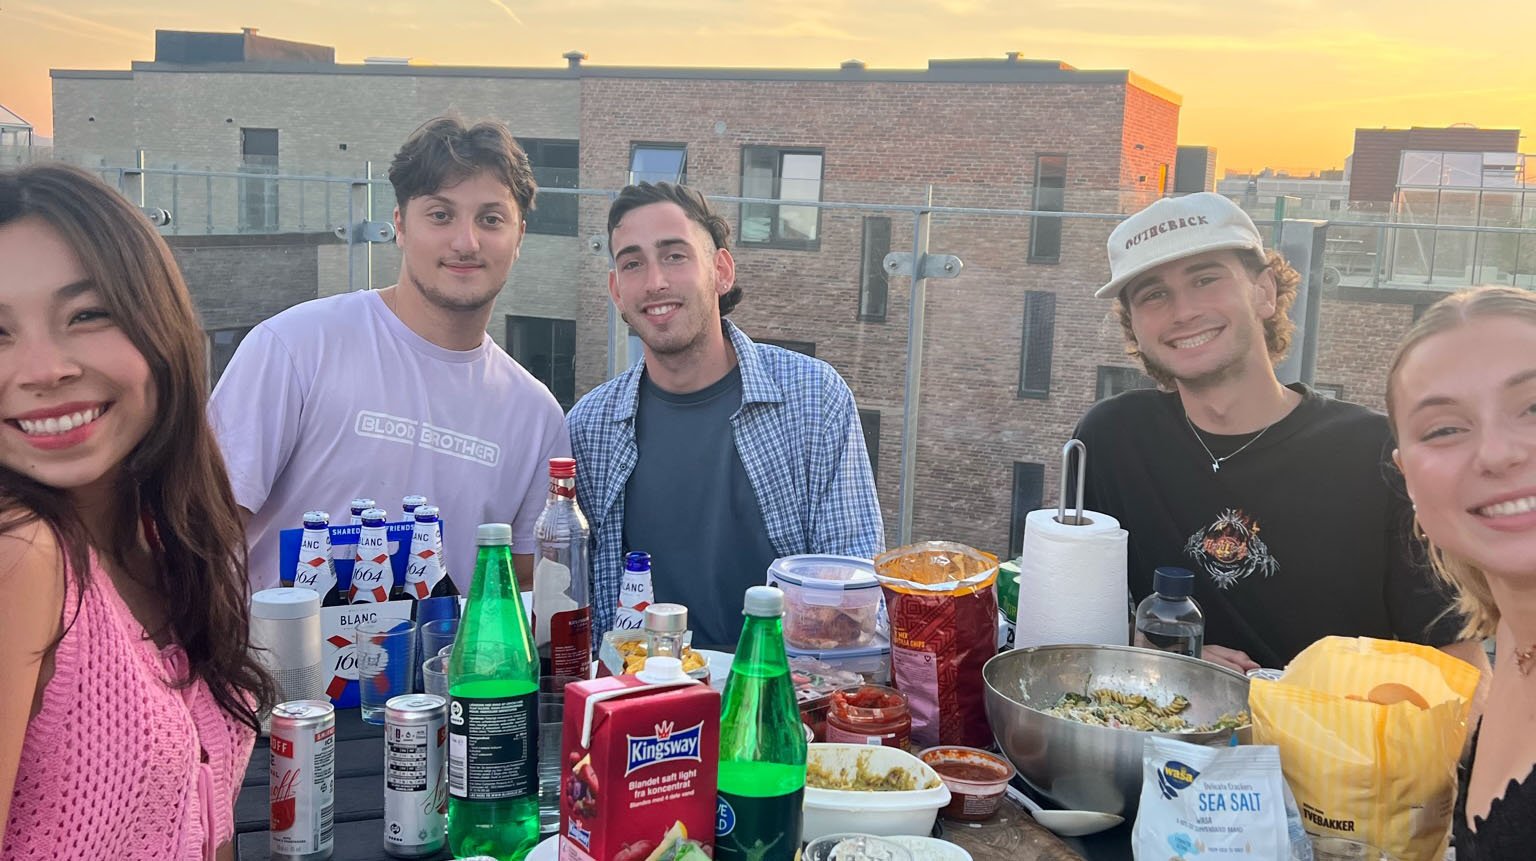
[(1369, 733)]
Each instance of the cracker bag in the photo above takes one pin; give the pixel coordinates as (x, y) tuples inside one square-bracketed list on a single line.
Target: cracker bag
[(1370, 732), (1217, 802)]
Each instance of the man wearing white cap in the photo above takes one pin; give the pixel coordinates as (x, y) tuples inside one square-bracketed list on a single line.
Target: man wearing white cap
[(1283, 502)]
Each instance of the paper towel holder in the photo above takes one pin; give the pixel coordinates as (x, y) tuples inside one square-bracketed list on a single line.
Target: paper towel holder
[(1078, 519)]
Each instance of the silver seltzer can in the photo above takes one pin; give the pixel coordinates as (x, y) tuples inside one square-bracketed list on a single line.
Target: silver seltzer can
[(303, 782), (415, 775)]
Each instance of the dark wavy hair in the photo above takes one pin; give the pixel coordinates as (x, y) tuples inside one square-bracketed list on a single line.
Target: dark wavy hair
[(445, 151), (693, 204), (1278, 329), (174, 477)]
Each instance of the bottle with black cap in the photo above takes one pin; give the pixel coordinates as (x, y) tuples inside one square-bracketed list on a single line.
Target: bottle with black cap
[(1169, 619)]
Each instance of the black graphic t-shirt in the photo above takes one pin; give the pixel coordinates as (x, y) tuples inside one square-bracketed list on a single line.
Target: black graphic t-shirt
[(1303, 534)]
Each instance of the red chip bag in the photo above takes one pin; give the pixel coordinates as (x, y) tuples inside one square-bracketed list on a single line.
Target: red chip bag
[(943, 615)]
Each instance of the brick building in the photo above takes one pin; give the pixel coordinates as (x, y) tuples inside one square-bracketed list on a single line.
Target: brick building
[(1016, 348)]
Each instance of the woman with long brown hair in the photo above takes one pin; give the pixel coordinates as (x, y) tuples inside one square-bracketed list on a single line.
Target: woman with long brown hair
[(1462, 400), (128, 694)]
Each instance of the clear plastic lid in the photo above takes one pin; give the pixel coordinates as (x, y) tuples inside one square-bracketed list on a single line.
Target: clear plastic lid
[(816, 571)]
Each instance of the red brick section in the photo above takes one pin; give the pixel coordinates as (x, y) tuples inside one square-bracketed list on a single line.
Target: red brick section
[(1378, 152), (1355, 344)]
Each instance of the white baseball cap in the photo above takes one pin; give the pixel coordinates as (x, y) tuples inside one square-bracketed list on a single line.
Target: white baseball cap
[(1174, 228)]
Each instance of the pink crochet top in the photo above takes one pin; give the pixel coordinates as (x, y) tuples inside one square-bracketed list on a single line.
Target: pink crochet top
[(118, 763)]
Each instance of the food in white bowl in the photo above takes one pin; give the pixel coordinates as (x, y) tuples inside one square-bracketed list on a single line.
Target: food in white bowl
[(841, 781)]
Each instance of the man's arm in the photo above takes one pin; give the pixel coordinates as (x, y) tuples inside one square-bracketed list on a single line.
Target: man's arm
[(254, 412), (849, 522)]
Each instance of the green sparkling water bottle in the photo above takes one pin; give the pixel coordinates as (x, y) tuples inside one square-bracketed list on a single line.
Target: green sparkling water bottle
[(493, 713), (762, 747)]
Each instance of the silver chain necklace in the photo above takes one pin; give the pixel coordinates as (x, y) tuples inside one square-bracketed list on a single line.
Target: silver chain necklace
[(1216, 462)]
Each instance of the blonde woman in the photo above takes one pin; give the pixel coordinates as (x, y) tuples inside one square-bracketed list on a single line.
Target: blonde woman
[(1462, 401)]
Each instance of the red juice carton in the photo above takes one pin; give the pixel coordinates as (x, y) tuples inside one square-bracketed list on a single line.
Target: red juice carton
[(639, 759)]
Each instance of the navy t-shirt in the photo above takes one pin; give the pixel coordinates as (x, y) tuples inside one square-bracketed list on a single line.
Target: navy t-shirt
[(690, 505)]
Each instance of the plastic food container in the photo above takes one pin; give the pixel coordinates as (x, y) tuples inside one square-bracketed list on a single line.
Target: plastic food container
[(828, 811), (872, 662), (830, 602), (976, 779), (869, 714)]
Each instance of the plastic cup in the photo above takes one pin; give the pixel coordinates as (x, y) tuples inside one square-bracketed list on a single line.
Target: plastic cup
[(434, 675), (551, 724), (386, 663), (436, 634)]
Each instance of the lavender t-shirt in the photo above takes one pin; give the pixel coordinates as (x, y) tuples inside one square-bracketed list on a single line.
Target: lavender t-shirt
[(337, 398)]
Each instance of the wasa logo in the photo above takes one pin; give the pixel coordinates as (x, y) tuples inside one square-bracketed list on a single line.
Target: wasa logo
[(1174, 776), (665, 746)]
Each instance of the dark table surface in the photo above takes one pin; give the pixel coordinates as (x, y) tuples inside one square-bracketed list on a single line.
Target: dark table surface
[(1011, 835)]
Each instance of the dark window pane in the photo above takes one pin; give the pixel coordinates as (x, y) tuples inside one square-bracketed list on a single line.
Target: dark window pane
[(221, 348), (874, 284), (1112, 380), (258, 194), (1035, 351), (806, 347), (1050, 196), (556, 164), (1028, 495), (869, 420), (547, 349)]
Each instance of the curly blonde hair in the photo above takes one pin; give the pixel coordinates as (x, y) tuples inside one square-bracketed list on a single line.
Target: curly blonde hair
[(1278, 329), (1474, 599)]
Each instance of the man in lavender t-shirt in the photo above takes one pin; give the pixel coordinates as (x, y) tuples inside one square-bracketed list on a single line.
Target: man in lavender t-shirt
[(400, 391)]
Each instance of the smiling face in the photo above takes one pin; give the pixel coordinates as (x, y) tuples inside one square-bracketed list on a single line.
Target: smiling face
[(1464, 405), (76, 396), (667, 278), (458, 243), (1200, 320)]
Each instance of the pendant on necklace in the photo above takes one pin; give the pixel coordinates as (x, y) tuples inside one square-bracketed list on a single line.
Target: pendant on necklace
[(1524, 658), (1215, 466)]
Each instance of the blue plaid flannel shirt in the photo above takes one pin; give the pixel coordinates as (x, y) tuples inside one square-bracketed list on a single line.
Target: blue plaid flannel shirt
[(800, 441)]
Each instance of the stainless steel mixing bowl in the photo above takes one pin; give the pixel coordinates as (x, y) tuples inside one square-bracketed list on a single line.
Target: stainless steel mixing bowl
[(1084, 767)]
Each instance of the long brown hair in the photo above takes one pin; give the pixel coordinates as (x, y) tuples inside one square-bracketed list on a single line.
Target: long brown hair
[(1474, 600), (1278, 329), (175, 476)]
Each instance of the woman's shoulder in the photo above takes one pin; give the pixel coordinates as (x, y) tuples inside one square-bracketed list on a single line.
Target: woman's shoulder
[(31, 570)]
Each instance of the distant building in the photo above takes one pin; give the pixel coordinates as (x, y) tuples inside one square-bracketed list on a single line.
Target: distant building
[(1195, 170), (1307, 196), (1375, 164)]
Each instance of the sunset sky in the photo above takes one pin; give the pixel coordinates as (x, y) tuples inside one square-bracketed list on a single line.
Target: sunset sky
[(1281, 83)]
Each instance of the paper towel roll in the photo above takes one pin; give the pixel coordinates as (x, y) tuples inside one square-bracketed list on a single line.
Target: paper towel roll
[(1072, 586)]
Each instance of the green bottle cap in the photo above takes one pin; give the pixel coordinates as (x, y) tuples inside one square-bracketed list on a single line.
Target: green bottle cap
[(493, 534), (764, 601)]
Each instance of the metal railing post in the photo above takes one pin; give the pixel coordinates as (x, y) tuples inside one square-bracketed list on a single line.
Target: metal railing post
[(1301, 243)]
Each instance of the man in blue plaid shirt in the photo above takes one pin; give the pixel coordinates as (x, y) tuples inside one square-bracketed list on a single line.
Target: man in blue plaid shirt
[(713, 454)]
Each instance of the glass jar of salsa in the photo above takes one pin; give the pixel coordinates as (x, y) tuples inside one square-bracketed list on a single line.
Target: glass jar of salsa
[(869, 714)]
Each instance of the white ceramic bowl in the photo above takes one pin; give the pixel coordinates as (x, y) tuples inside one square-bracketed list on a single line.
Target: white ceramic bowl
[(828, 811)]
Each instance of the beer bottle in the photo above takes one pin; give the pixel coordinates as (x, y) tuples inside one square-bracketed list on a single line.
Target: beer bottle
[(373, 578), (410, 503), (635, 592), (316, 570), (358, 506), (493, 719), (426, 570), (762, 746), (562, 579)]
